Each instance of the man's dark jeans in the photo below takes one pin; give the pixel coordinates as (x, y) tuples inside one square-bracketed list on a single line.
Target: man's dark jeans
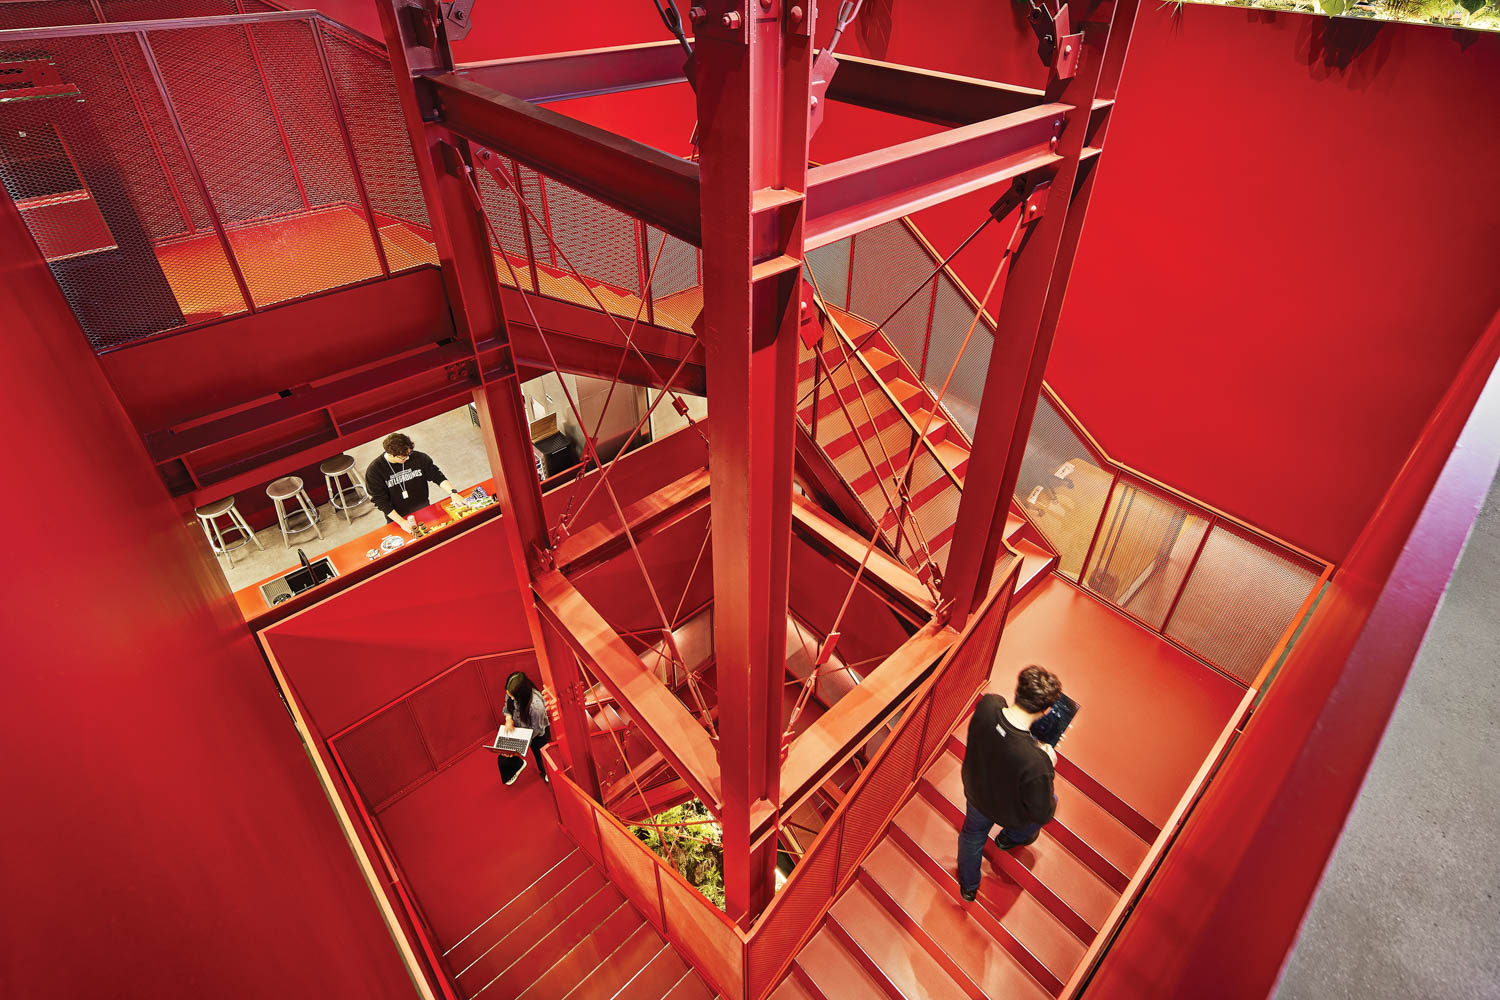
[(971, 838)]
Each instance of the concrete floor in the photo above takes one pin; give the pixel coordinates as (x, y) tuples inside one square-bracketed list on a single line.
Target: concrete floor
[(1410, 905), (452, 440)]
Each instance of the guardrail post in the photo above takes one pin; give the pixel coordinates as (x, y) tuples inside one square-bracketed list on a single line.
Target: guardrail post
[(1213, 522), (359, 179), (192, 161), (536, 284)]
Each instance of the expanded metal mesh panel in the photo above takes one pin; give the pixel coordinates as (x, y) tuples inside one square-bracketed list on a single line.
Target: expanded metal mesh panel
[(596, 239), (799, 904), (95, 186), (676, 263), (503, 209), (1239, 599), (241, 155), (632, 869), (1144, 550), (830, 266), (159, 10), (697, 929), (384, 755), (454, 714), (367, 94), (888, 263), (577, 814), (1066, 508), (870, 808), (158, 172), (41, 14), (952, 317)]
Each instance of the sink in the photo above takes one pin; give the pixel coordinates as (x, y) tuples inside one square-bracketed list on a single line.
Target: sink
[(283, 588)]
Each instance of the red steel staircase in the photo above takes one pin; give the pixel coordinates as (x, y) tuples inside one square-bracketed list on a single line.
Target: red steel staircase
[(903, 932), (570, 935), (865, 417)]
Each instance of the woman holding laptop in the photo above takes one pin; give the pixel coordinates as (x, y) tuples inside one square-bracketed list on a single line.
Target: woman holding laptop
[(525, 708)]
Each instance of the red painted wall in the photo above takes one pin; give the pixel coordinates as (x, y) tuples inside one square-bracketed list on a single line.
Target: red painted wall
[(1284, 263), (368, 645), (164, 833)]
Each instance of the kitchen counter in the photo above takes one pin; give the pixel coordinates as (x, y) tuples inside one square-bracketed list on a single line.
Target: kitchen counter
[(357, 553)]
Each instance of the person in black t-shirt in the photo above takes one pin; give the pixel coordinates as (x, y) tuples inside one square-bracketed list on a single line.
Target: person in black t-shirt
[(1007, 773), (398, 479)]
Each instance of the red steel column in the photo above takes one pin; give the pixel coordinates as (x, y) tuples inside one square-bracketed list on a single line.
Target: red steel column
[(469, 274), (1024, 328), (753, 79)]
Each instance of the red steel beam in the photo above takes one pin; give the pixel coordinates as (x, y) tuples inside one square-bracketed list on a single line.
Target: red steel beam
[(562, 76), (854, 194), (662, 718), (606, 538), (753, 80), (924, 94), (838, 734), (903, 590), (1025, 326), (445, 168), (635, 178)]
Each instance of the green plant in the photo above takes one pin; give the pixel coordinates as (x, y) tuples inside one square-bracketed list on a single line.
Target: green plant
[(689, 839)]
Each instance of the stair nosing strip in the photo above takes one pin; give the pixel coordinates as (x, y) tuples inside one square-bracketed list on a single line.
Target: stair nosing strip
[(500, 940), (534, 883), (584, 940)]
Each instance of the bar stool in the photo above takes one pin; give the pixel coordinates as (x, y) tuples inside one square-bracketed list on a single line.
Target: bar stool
[(208, 518), (340, 497), (290, 488)]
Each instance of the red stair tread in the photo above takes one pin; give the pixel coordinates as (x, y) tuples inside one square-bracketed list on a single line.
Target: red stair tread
[(1053, 864), (1093, 824), (546, 886), (791, 988), (625, 965), (592, 942), (966, 945), (546, 950), (1021, 914), (657, 978), (1035, 562), (690, 987), (524, 935), (834, 973), (903, 961)]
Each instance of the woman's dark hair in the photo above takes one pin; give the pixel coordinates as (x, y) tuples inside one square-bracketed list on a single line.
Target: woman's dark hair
[(397, 444), (1037, 689), (518, 688)]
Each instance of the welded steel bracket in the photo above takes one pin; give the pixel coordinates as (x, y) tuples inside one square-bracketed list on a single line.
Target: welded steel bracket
[(456, 19), (1057, 44)]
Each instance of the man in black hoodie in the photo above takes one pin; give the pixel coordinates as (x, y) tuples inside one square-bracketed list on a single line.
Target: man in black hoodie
[(398, 479), (1007, 773)]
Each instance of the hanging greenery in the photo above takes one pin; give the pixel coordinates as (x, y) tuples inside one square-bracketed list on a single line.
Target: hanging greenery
[(690, 840), (1483, 15)]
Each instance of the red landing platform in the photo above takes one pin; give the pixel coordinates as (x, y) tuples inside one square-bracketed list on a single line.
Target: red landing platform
[(1150, 711)]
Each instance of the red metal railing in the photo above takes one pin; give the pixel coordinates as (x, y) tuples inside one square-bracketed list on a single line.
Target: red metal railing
[(1213, 585), (231, 163), (745, 965), (909, 492)]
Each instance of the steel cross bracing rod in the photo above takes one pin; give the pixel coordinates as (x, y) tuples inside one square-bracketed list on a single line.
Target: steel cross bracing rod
[(865, 340), (473, 290), (589, 443), (1027, 321), (499, 173)]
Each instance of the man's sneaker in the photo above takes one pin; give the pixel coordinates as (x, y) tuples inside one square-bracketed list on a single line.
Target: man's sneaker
[(1006, 844), (968, 894)]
